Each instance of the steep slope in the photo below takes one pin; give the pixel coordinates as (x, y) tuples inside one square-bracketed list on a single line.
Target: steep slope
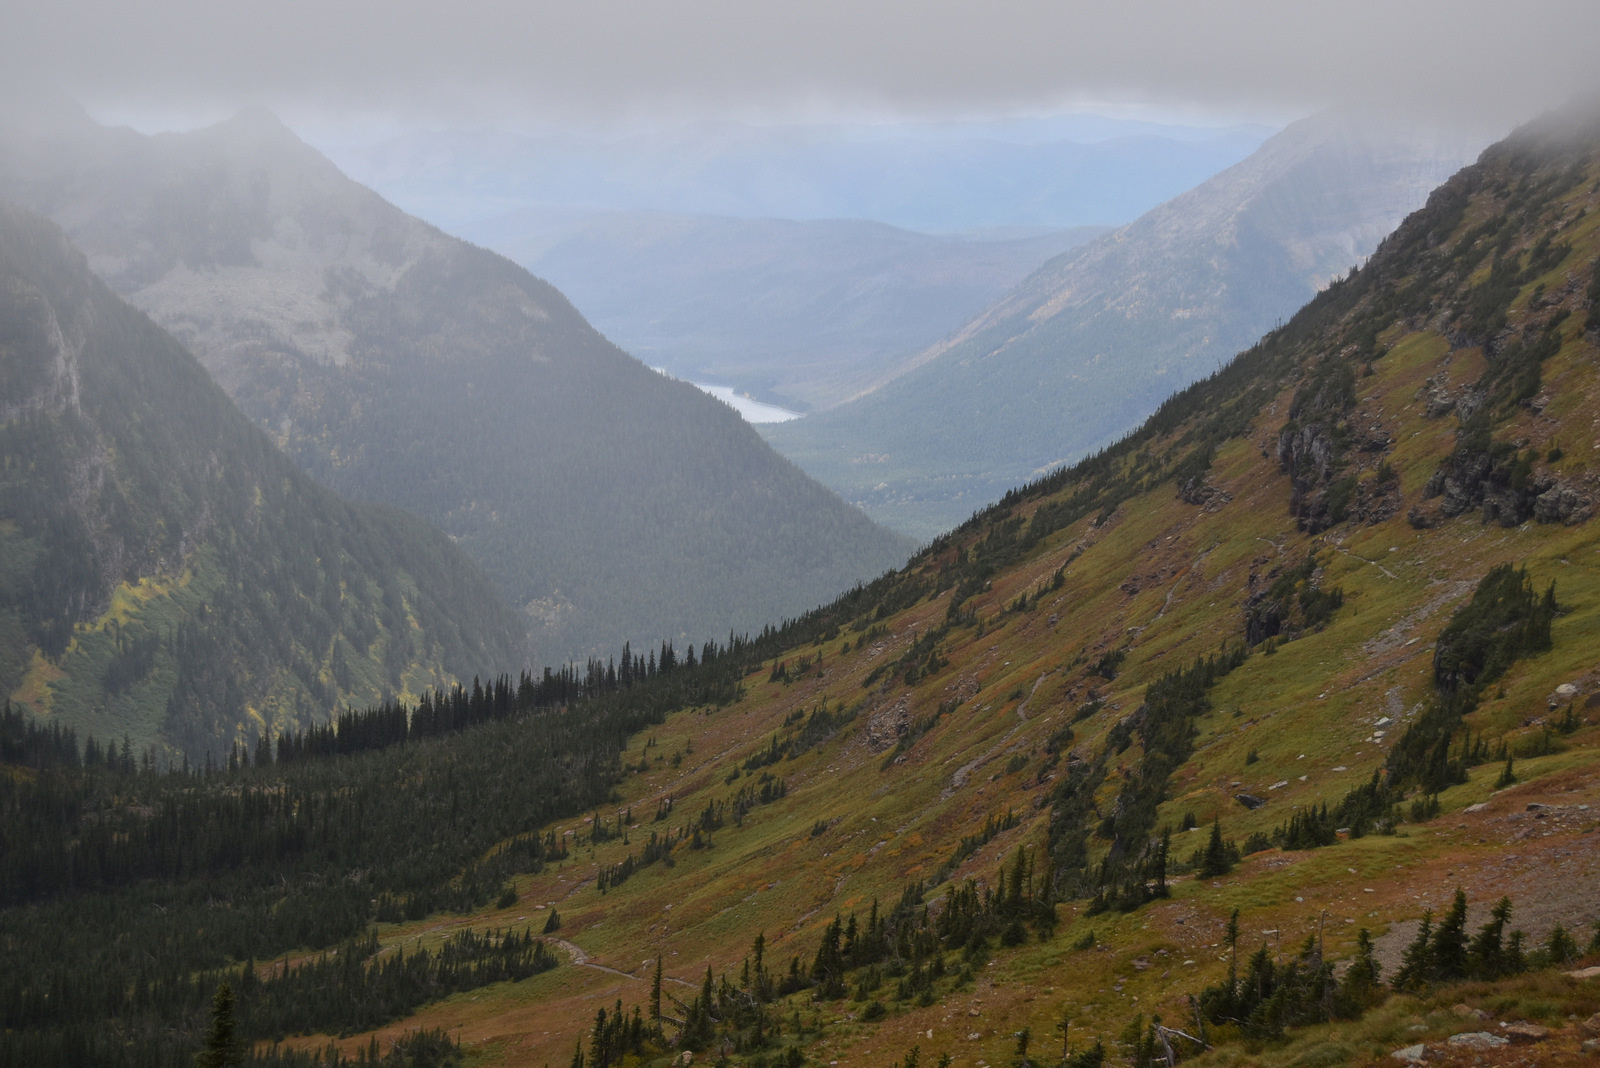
[(1090, 343), (168, 576), (1027, 682), (400, 365), (805, 314), (1291, 607)]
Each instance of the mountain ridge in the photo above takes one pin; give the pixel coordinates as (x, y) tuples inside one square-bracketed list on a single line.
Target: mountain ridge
[(805, 314), (139, 502), (398, 364), (1090, 343)]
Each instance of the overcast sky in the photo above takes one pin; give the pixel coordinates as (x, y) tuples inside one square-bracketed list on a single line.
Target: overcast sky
[(589, 60)]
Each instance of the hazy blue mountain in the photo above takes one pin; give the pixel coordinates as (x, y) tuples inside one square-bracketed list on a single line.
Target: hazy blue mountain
[(166, 574), (804, 313), (1088, 345), (1055, 172), (401, 365)]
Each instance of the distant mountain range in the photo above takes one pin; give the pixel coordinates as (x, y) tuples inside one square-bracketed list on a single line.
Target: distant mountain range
[(166, 575), (803, 313), (1075, 355), (401, 365), (1055, 172)]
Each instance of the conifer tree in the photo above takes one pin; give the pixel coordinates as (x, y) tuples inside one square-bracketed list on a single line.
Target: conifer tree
[(1508, 776), (1215, 861), (1416, 966), (1359, 988), (1560, 947), (1233, 954), (1486, 956), (655, 995), (1450, 942), (1516, 960), (220, 1050), (1020, 1059)]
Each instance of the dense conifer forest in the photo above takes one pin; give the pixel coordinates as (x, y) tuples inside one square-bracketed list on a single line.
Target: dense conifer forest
[(131, 887)]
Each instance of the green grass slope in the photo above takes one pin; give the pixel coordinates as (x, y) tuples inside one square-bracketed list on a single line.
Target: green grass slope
[(1017, 656), (168, 576)]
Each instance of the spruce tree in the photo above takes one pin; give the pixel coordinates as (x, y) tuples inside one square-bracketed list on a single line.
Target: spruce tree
[(1561, 947), (1508, 776), (1360, 987), (1215, 862), (1416, 966), (1450, 942), (220, 1050), (1486, 957), (1020, 1058), (1516, 958)]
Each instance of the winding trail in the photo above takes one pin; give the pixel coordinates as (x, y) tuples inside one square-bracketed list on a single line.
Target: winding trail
[(1356, 556), (581, 959)]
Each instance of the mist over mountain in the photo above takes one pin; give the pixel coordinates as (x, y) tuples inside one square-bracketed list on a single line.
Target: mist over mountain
[(401, 365), (1089, 344), (1058, 172), (804, 313), (168, 576)]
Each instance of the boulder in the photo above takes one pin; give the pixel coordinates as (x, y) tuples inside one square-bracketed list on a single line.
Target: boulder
[(1524, 1033), (1477, 1040), (1411, 1054), (1439, 401)]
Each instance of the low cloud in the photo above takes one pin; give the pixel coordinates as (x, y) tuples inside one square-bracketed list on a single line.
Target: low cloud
[(608, 59)]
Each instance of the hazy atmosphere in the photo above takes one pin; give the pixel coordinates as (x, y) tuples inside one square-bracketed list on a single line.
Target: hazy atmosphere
[(617, 60)]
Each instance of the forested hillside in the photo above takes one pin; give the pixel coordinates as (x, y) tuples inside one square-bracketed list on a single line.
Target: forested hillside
[(1077, 354), (1266, 736), (168, 579), (400, 365)]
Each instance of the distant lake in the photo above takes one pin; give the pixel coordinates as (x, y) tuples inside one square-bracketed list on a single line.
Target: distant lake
[(754, 411)]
